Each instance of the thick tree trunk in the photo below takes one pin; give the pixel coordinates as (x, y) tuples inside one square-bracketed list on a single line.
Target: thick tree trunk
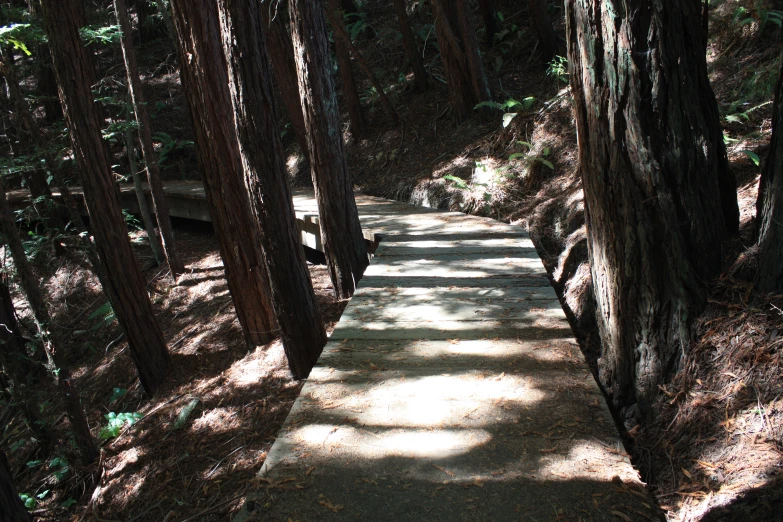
[(353, 104), (281, 52), (145, 138), (301, 327), (47, 85), (769, 207), (141, 198), (491, 20), (411, 49), (335, 17), (124, 284), (462, 64), (341, 233), (205, 82), (52, 344), (654, 170), (547, 39), (11, 506)]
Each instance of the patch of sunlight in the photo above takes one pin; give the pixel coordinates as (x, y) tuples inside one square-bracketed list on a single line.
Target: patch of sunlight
[(473, 399), (333, 441), (587, 460), (261, 364), (122, 461), (217, 420), (491, 243)]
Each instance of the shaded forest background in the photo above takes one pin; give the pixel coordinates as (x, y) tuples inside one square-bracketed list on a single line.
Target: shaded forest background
[(714, 449)]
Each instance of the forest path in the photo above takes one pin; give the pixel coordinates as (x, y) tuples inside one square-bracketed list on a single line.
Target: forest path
[(451, 389)]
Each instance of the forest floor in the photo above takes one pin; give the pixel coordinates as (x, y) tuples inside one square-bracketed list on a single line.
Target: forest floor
[(715, 451)]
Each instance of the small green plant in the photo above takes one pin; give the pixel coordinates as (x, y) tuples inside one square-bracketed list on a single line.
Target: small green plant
[(528, 158), (169, 146), (355, 24), (558, 69), (507, 106), (28, 500), (103, 316), (753, 157), (117, 394), (457, 181), (106, 35), (744, 16), (117, 421)]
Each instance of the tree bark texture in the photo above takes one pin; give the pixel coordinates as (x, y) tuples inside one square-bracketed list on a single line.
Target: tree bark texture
[(491, 20), (769, 207), (341, 233), (159, 202), (353, 105), (411, 48), (465, 77), (52, 345), (205, 82), (656, 183), (548, 43), (11, 506), (124, 282), (281, 52), (340, 33), (265, 177)]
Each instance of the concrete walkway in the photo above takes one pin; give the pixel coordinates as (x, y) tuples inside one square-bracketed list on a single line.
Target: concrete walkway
[(451, 389)]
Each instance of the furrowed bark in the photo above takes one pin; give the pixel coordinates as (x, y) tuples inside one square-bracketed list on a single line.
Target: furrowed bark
[(411, 49), (124, 283), (293, 297), (656, 183), (341, 233), (205, 82)]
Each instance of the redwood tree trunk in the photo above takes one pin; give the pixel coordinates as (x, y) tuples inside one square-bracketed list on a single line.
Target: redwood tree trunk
[(11, 506), (52, 344), (301, 327), (654, 171), (159, 202), (491, 19), (462, 64), (411, 49), (769, 207), (340, 33), (341, 233), (542, 25), (124, 285), (351, 98), (205, 82), (281, 52)]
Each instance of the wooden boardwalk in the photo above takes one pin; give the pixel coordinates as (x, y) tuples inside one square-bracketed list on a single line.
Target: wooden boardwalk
[(451, 389)]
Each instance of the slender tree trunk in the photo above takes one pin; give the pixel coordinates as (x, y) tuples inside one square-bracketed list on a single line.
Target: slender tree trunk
[(335, 17), (301, 327), (491, 20), (281, 52), (547, 39), (25, 124), (145, 137), (11, 506), (341, 233), (205, 82), (141, 198), (351, 97), (52, 344), (163, 11), (465, 76), (769, 207), (125, 284), (18, 367), (654, 170), (411, 49)]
